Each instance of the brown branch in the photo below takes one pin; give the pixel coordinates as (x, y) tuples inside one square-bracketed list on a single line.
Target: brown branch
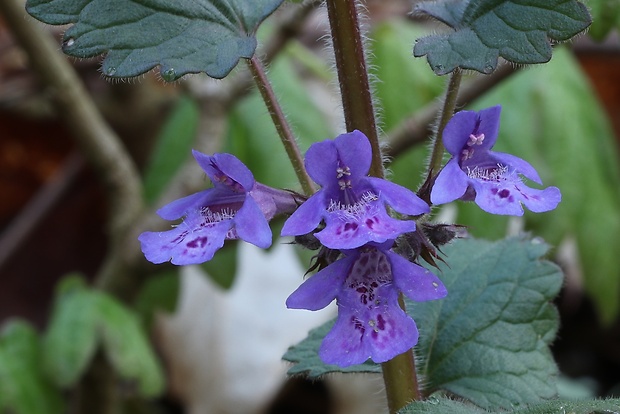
[(100, 145)]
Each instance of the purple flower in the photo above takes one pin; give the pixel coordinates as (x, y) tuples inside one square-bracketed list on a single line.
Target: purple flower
[(351, 204), (490, 178), (236, 207), (366, 284)]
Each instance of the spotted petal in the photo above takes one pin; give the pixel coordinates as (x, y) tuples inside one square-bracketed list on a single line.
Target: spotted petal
[(379, 333), (345, 230), (191, 242)]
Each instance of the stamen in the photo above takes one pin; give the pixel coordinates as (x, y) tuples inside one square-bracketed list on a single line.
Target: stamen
[(467, 154), (475, 140), (340, 172), (344, 184)]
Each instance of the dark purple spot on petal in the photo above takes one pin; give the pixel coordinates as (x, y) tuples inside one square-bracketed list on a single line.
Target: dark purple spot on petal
[(504, 193), (380, 322), (199, 243)]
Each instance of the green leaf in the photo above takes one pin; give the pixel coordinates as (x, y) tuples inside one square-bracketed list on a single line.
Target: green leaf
[(605, 17), (304, 356), (23, 388), (182, 36), (487, 341), (159, 293), (446, 406), (71, 338), (127, 346), (517, 30), (173, 146), (85, 319)]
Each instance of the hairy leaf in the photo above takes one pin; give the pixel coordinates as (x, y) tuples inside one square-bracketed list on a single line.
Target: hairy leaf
[(487, 341), (446, 406), (520, 31), (182, 36)]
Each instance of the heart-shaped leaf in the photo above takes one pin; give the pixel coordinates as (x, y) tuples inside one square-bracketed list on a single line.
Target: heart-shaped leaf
[(182, 36), (520, 31), (443, 405)]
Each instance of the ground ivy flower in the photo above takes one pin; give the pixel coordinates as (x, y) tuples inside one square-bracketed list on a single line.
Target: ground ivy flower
[(492, 179), (366, 285), (351, 203), (236, 207)]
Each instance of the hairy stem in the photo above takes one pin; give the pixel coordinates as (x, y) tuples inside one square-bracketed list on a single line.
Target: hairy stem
[(282, 126), (399, 373), (353, 75), (447, 111)]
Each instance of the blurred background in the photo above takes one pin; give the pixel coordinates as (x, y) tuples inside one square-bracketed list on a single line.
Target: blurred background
[(219, 330)]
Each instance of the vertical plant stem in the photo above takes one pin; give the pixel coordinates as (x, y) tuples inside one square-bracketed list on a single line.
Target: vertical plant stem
[(447, 111), (282, 126), (353, 75), (399, 373)]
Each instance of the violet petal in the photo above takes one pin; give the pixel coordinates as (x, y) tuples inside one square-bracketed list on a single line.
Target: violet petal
[(416, 282), (321, 289), (451, 183), (307, 217), (251, 225)]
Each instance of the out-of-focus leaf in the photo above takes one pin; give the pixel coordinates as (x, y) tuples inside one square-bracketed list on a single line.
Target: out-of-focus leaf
[(159, 293), (183, 36), (127, 346), (253, 138), (446, 406), (605, 17), (403, 85), (520, 31), (552, 119), (71, 338), (23, 387), (83, 320), (223, 267), (172, 147)]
